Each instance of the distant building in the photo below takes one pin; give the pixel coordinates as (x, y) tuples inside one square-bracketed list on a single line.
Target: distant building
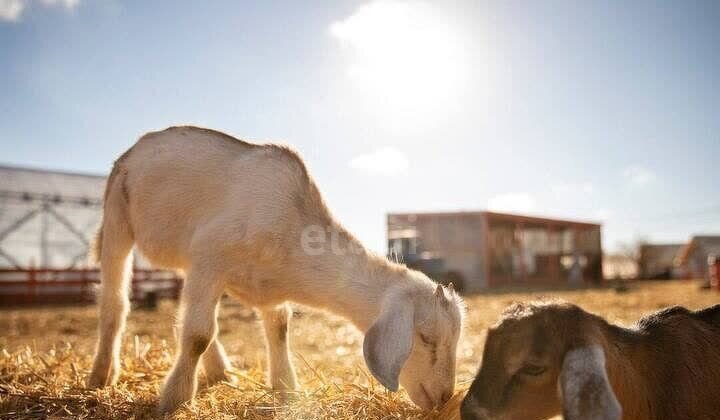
[(619, 267), (478, 250), (48, 220), (692, 258), (657, 261)]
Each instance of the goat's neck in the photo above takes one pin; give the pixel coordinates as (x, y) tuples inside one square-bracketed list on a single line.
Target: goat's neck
[(627, 364), (340, 275)]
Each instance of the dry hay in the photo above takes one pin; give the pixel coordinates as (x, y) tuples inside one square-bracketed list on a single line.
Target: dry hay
[(45, 355), (36, 385)]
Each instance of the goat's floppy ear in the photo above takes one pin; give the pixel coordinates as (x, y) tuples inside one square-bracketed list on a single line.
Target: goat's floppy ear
[(388, 343), (585, 389)]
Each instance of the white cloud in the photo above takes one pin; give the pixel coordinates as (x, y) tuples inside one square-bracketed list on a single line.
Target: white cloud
[(384, 161), (512, 203), (638, 175), (69, 4), (11, 10)]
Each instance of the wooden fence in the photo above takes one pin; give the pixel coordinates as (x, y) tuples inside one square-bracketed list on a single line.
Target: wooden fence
[(45, 285)]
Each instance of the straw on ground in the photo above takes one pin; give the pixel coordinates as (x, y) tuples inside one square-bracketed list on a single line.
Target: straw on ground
[(45, 355)]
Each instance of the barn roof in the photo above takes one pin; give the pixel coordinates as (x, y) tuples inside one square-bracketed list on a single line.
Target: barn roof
[(709, 244), (39, 181), (501, 216)]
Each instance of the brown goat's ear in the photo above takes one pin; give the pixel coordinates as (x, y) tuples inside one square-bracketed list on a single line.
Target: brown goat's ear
[(584, 386), (439, 292), (388, 342)]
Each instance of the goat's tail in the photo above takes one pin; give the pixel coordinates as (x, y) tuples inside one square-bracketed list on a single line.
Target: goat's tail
[(114, 239), (115, 201), (112, 248)]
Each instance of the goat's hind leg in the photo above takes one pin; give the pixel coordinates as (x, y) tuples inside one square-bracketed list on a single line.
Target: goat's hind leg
[(215, 361), (114, 304), (200, 297)]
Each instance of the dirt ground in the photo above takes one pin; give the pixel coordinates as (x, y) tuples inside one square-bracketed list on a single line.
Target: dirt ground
[(45, 354)]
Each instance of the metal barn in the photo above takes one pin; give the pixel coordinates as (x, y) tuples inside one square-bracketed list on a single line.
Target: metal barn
[(479, 250), (47, 222), (47, 218)]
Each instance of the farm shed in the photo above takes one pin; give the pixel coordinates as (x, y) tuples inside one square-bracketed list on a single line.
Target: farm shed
[(47, 222), (692, 258), (656, 261), (478, 250)]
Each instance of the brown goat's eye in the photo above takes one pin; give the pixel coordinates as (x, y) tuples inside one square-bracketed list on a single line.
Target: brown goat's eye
[(426, 340), (532, 370)]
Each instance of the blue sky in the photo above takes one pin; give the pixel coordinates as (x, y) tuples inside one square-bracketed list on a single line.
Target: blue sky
[(604, 111)]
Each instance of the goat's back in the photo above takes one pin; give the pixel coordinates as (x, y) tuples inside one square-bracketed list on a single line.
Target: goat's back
[(186, 185), (685, 372), (710, 315)]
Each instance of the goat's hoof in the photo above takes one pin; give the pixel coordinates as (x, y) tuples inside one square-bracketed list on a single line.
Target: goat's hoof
[(168, 406), (286, 395), (96, 381), (285, 383), (100, 378), (286, 389), (216, 379), (171, 400)]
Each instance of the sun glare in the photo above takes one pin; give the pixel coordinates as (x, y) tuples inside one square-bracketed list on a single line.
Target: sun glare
[(403, 55)]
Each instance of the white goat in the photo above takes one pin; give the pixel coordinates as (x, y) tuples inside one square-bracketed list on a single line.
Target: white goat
[(249, 220), (544, 359)]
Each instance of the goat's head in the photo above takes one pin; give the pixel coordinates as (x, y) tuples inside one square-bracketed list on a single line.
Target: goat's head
[(413, 342), (541, 360)]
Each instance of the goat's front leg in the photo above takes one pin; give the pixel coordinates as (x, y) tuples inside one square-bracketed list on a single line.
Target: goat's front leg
[(200, 297), (281, 373)]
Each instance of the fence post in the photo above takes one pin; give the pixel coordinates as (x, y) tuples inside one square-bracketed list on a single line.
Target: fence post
[(32, 286)]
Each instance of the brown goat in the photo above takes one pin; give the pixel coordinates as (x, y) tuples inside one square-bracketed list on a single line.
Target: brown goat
[(542, 359)]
